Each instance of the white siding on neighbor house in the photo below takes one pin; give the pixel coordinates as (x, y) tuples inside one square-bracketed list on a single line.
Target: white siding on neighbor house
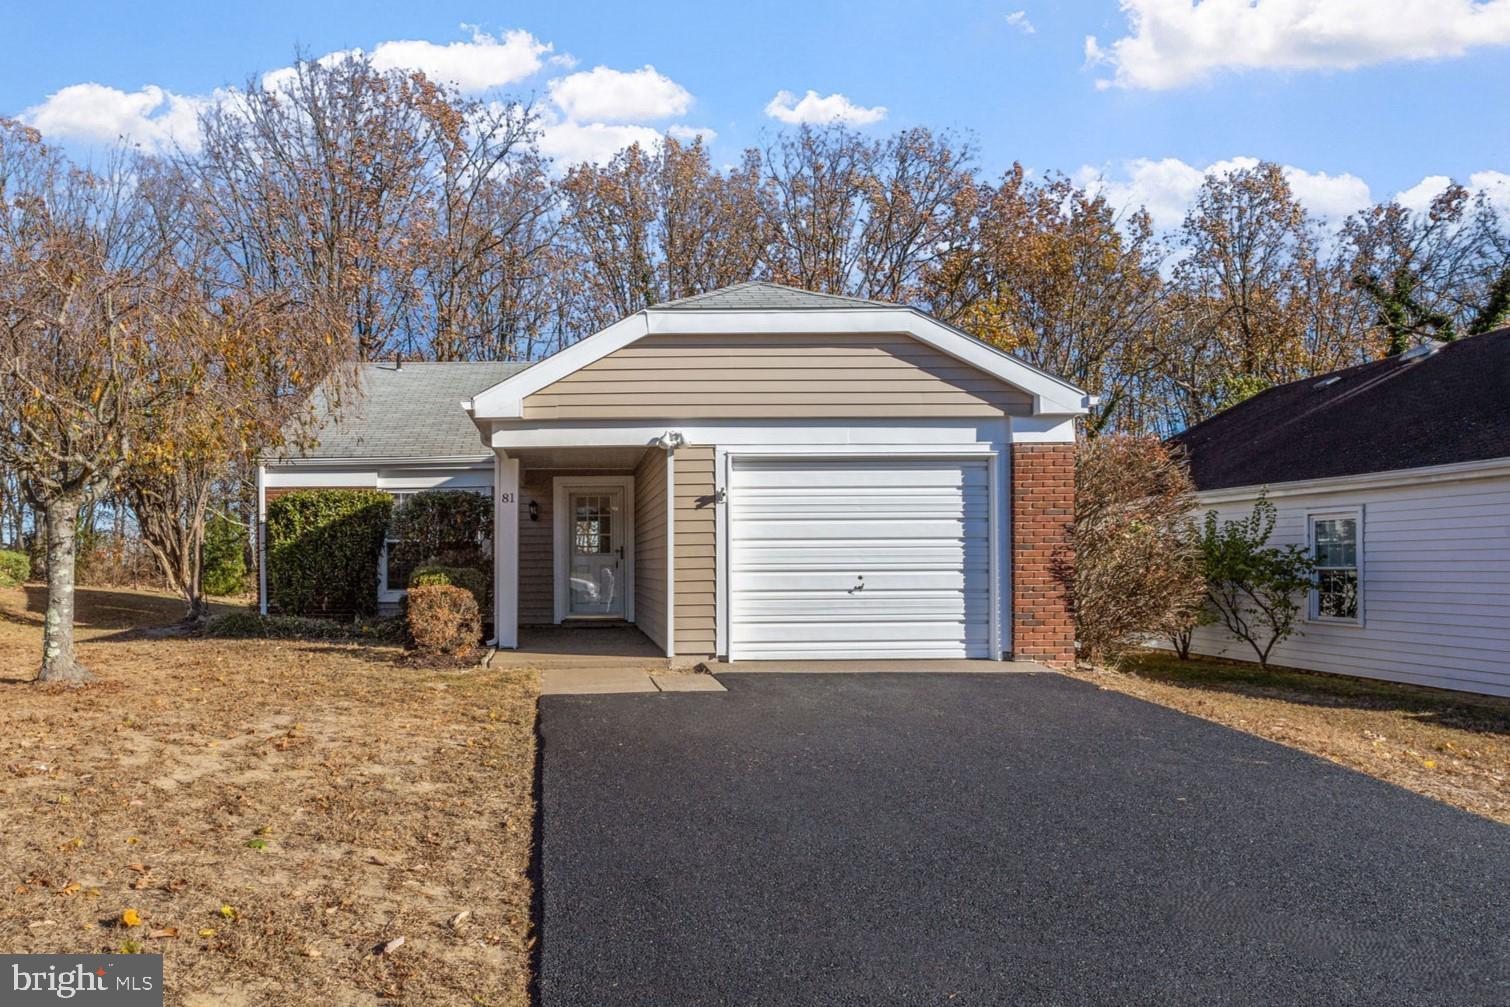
[(1435, 584)]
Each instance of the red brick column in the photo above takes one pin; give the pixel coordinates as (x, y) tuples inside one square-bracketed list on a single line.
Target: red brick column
[(1043, 508)]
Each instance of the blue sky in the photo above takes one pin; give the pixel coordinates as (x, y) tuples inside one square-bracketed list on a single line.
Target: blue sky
[(1361, 98)]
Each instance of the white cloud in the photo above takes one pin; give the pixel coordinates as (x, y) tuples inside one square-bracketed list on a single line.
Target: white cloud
[(1019, 19), (1176, 42), (484, 62), (1167, 187), (605, 95), (686, 134), (574, 142), (1494, 184), (152, 117), (821, 111)]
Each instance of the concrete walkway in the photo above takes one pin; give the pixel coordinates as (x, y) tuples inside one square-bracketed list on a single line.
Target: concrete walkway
[(612, 679), (871, 667)]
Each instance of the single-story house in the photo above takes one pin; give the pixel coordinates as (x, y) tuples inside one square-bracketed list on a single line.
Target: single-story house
[(755, 473), (1396, 475)]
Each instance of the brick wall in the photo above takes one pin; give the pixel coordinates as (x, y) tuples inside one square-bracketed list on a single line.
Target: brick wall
[(1043, 507)]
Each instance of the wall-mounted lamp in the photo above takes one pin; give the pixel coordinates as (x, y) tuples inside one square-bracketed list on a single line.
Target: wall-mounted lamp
[(534, 510)]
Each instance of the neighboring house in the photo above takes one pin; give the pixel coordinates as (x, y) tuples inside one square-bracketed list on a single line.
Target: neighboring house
[(755, 473), (1396, 475)]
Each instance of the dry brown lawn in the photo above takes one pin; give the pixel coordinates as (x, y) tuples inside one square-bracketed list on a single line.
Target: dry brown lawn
[(272, 812), (1451, 746)]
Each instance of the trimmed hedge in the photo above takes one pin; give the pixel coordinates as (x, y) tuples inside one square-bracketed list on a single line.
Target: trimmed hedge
[(456, 576), (443, 620), (244, 625), (323, 548), (224, 557), (448, 528), (15, 568)]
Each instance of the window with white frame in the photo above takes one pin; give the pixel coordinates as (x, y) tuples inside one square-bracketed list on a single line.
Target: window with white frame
[(394, 579), (1337, 547)]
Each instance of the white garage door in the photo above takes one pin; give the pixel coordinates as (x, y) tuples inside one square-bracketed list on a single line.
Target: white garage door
[(867, 559)]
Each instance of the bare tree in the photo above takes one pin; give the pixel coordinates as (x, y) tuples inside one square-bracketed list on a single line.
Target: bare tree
[(87, 285)]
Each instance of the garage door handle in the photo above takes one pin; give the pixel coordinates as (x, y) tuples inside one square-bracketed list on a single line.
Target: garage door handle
[(858, 587)]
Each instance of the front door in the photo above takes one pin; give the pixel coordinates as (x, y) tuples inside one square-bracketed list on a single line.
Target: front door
[(596, 587)]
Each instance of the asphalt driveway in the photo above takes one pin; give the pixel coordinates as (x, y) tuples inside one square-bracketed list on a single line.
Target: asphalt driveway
[(990, 839)]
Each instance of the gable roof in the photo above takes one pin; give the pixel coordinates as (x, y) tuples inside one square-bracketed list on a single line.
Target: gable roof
[(761, 295), (408, 411), (1440, 408), (770, 308)]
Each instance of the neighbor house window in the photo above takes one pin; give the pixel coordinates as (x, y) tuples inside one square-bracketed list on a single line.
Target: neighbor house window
[(395, 575), (1337, 545)]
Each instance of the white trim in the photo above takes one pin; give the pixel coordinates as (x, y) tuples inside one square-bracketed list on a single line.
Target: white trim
[(1042, 429), (1312, 600), (724, 458), (878, 434), (561, 490), (505, 400), (260, 526), (670, 552), (374, 461), (994, 504), (1485, 469), (506, 551), (340, 479)]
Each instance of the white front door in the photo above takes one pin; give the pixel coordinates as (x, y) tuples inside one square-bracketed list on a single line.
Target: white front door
[(597, 539), (864, 559)]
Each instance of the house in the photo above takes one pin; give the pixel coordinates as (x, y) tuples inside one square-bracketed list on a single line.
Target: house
[(1396, 476), (755, 473)]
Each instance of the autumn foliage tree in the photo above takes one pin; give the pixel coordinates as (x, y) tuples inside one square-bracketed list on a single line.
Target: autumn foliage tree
[(1137, 571), (89, 288)]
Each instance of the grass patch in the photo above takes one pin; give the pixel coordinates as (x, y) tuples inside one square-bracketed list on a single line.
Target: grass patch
[(1454, 747), (266, 813)]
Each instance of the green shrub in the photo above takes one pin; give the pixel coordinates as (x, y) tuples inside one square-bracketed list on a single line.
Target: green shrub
[(15, 568), (457, 576), (448, 528), (322, 551), (443, 620), (224, 557), (252, 625)]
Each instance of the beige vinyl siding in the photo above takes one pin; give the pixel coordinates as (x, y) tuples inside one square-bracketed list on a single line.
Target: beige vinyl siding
[(537, 550), (695, 533), (776, 375), (650, 546)]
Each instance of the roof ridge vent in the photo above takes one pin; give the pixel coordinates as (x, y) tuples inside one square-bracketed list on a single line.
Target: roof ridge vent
[(1420, 352)]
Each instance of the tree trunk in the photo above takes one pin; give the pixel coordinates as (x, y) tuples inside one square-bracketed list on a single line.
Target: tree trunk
[(58, 661)]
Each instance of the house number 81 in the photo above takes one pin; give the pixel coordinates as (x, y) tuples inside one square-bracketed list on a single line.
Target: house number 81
[(505, 498)]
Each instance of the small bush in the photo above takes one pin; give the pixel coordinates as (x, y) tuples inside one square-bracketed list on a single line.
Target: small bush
[(456, 576), (224, 557), (444, 619), (15, 568), (322, 551)]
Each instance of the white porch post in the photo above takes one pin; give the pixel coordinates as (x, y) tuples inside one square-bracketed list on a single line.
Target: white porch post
[(506, 550)]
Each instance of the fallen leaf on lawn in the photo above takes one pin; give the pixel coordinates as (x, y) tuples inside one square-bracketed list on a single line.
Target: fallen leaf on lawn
[(138, 868), (131, 918), (164, 932), (460, 918), (391, 946), (22, 889), (69, 889), (39, 924), (310, 952), (230, 913), (207, 932), (132, 840), (1431, 764)]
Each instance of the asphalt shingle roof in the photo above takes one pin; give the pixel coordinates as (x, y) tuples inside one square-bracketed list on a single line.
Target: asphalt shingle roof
[(759, 295), (408, 411), (1450, 406)]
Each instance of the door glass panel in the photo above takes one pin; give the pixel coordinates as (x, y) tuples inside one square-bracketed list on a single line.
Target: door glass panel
[(595, 560)]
